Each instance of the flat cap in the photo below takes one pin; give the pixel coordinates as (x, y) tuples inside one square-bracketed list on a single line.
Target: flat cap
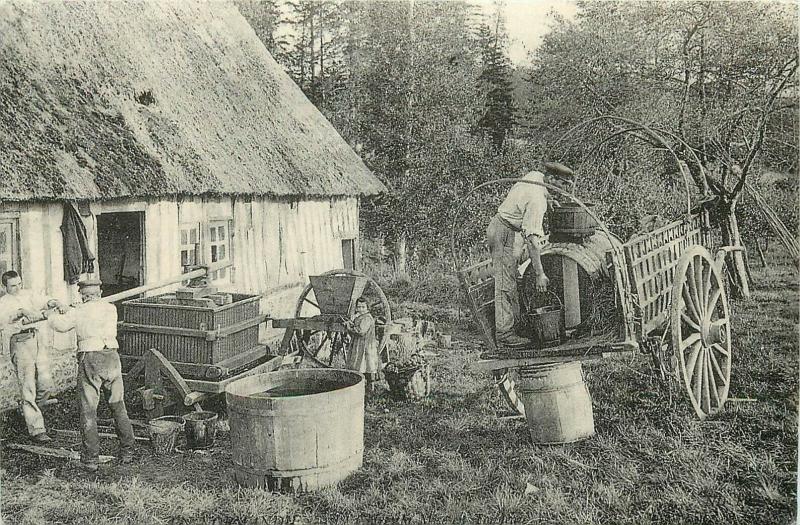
[(92, 281), (559, 170)]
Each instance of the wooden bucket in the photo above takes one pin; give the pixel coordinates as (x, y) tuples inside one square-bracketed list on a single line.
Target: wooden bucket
[(570, 220), (558, 406), (296, 430), (163, 432)]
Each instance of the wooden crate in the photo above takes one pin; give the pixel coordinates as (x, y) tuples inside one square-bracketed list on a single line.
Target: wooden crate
[(190, 331), (199, 314)]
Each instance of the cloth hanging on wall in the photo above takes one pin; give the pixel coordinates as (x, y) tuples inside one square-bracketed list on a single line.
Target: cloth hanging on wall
[(78, 258)]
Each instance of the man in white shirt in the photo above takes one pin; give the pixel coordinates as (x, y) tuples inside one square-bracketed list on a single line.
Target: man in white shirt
[(522, 211), (18, 308), (95, 324)]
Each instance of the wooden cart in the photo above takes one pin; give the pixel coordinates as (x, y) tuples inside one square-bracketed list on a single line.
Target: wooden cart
[(317, 331), (671, 301)]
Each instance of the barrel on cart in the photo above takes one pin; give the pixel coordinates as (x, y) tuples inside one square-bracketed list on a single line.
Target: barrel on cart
[(662, 292)]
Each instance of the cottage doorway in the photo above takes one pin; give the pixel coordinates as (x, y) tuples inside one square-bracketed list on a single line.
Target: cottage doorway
[(120, 250)]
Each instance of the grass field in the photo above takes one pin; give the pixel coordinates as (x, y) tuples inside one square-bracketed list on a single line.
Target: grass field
[(450, 459)]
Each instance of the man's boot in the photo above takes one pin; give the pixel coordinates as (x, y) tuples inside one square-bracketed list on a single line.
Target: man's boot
[(512, 339)]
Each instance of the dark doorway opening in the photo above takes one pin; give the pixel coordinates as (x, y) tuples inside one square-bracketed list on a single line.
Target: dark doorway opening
[(120, 250)]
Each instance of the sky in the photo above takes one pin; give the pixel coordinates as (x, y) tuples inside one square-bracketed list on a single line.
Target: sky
[(527, 21)]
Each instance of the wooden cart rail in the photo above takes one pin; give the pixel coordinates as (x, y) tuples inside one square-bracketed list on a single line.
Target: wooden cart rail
[(652, 259)]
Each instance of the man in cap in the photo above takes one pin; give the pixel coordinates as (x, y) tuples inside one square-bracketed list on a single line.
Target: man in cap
[(522, 211), (19, 308), (95, 324)]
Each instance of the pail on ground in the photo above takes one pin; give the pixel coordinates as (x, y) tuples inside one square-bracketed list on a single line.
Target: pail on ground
[(558, 406), (164, 432), (296, 430), (201, 428)]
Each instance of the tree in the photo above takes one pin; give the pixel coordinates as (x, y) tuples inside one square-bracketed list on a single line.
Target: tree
[(496, 76), (711, 78), (264, 16)]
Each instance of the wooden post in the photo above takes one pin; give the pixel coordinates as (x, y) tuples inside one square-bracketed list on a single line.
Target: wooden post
[(761, 253)]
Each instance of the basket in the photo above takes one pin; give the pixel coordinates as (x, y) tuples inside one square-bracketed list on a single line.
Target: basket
[(412, 382), (164, 432)]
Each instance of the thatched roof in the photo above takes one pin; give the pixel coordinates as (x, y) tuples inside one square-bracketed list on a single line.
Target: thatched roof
[(108, 99)]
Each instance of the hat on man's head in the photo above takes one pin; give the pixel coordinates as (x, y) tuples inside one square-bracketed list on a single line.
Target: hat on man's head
[(90, 282), (559, 170)]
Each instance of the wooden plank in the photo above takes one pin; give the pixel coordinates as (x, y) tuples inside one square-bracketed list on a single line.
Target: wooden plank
[(487, 365), (310, 323), (56, 452), (243, 358), (217, 387), (208, 335), (190, 369), (646, 256), (238, 327), (572, 294), (108, 435)]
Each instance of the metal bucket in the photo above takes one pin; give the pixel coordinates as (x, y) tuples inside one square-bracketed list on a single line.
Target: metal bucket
[(296, 430), (164, 433), (201, 428), (558, 406), (546, 325)]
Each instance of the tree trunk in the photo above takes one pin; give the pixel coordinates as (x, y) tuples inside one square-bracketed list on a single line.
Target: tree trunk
[(761, 253), (737, 269), (400, 255)]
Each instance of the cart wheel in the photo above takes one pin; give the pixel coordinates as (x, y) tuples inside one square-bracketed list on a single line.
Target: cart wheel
[(507, 385), (701, 331), (325, 348), (329, 348)]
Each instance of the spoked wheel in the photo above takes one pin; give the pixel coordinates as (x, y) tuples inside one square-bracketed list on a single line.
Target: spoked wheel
[(325, 348), (701, 331), (506, 383), (329, 347)]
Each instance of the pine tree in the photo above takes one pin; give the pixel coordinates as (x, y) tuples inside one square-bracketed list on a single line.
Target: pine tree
[(498, 118)]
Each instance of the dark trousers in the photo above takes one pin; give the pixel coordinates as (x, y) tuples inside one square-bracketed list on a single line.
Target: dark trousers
[(98, 370)]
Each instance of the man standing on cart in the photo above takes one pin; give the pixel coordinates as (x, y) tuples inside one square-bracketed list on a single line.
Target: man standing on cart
[(522, 212)]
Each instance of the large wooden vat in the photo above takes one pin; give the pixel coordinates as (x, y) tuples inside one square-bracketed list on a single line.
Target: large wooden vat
[(558, 407), (296, 430)]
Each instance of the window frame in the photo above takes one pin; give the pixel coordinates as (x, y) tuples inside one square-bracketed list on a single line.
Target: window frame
[(14, 259), (213, 244)]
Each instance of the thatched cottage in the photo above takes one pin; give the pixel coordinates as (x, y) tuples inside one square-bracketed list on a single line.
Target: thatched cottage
[(178, 139)]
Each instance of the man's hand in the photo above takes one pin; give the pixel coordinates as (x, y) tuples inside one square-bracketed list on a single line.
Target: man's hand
[(57, 305), (31, 314), (541, 282)]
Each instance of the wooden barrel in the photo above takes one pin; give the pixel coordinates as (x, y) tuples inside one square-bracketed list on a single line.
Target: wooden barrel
[(558, 407), (296, 430), (580, 277)]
